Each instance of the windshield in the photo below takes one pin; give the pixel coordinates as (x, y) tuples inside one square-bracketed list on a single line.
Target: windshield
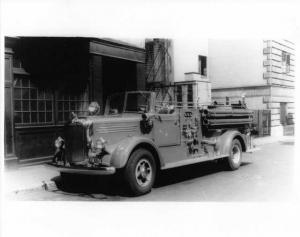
[(137, 102), (116, 103)]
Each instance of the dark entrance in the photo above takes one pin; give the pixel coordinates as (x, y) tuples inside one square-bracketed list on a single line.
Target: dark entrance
[(118, 76)]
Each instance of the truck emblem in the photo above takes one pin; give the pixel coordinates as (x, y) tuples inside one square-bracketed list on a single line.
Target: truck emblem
[(188, 114)]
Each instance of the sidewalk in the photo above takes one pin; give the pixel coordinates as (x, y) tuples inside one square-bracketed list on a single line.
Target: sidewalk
[(259, 141), (36, 176), (29, 177)]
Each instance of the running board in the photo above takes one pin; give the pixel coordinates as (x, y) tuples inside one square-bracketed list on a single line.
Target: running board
[(190, 161)]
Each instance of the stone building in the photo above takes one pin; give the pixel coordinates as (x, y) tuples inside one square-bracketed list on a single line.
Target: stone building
[(262, 71)]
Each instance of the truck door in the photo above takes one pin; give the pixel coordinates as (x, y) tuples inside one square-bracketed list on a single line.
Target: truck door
[(167, 130)]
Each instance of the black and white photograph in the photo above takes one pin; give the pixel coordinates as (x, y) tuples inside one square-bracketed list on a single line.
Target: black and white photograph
[(150, 113), (168, 118)]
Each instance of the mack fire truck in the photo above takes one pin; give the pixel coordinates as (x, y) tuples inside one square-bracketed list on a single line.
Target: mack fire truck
[(138, 136)]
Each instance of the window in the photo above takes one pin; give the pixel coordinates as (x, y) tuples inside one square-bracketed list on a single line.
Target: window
[(32, 105), (137, 102), (179, 95), (286, 59), (17, 62), (190, 96), (202, 63), (283, 113), (35, 106), (68, 102), (116, 103)]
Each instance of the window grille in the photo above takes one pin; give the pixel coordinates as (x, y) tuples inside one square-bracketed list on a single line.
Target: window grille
[(35, 106), (31, 104), (68, 103)]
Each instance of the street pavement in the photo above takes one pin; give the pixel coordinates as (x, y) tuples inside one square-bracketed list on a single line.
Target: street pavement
[(266, 175)]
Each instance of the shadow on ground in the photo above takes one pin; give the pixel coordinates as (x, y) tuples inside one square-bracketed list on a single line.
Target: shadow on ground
[(89, 184), (114, 186)]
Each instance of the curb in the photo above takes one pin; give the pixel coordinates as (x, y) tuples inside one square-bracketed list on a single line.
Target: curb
[(44, 185), (28, 178)]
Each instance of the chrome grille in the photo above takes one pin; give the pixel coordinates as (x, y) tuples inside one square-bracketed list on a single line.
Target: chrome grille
[(75, 143)]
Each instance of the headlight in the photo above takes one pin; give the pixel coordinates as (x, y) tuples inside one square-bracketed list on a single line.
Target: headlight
[(100, 143), (97, 148)]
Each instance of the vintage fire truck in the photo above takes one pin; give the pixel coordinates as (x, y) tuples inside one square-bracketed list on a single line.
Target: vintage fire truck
[(138, 136)]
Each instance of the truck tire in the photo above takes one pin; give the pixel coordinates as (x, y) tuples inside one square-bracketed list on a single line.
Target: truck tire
[(235, 156), (140, 172)]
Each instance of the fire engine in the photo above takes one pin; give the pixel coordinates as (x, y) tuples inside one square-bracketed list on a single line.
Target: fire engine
[(138, 136)]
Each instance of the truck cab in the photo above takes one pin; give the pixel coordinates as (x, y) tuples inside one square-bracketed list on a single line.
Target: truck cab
[(139, 135)]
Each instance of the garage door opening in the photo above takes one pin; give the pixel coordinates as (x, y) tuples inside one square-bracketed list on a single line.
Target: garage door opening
[(118, 76)]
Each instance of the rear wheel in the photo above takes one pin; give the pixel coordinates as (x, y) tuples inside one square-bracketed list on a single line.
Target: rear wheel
[(235, 157), (140, 172)]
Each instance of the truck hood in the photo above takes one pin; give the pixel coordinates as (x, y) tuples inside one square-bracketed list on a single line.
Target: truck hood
[(113, 129)]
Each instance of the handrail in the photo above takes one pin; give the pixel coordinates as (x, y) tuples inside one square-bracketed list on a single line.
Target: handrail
[(193, 104)]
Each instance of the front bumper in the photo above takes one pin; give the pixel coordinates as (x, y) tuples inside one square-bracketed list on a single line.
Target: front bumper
[(103, 170)]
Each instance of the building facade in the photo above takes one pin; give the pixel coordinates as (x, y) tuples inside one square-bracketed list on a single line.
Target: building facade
[(177, 70), (262, 71), (47, 78)]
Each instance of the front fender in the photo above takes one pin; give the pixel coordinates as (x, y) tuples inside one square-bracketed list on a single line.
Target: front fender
[(121, 153), (223, 143)]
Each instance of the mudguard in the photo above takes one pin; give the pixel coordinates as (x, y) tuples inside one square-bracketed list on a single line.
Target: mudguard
[(223, 143), (121, 153)]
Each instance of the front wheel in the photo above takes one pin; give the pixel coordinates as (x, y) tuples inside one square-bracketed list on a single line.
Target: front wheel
[(140, 172), (235, 157)]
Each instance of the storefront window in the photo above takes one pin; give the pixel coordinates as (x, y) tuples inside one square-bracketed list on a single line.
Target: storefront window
[(31, 104), (34, 106), (68, 103)]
